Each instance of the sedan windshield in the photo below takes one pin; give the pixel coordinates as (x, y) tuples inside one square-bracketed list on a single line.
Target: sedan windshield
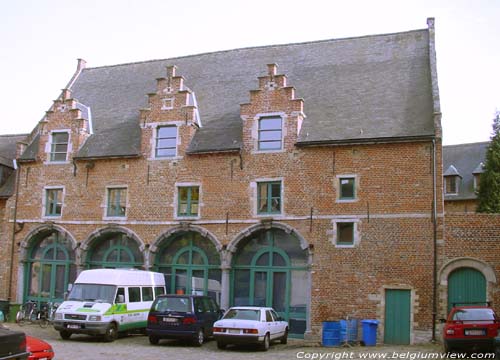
[(243, 314), (93, 292)]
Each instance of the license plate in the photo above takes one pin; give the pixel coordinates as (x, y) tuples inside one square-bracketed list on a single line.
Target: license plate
[(234, 331), (170, 320), (73, 326), (475, 332)]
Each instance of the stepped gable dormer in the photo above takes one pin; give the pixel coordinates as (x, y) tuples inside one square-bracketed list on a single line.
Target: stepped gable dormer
[(64, 129), (170, 120), (273, 117)]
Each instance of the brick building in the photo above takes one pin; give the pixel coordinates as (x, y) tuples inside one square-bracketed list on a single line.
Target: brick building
[(313, 187)]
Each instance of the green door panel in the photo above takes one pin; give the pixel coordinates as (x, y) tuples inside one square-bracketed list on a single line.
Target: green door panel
[(397, 317), (465, 286)]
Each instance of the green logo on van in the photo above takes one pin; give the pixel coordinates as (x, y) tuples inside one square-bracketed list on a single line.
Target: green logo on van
[(116, 309)]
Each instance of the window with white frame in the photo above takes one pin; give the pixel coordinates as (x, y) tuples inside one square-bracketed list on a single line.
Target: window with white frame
[(269, 197), (451, 185), (346, 232), (188, 200), (347, 188), (116, 202), (270, 133), (166, 141), (59, 146), (53, 201)]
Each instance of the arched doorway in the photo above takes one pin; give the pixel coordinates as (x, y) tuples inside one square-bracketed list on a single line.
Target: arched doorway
[(50, 267), (270, 269), (113, 250), (191, 264), (466, 286)]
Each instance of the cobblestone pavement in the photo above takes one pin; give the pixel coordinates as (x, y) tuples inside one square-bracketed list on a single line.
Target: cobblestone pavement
[(82, 347)]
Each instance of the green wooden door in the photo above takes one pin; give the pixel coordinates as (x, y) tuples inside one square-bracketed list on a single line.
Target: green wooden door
[(466, 286), (397, 317)]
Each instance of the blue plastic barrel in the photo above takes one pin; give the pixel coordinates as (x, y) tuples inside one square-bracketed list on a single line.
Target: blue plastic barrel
[(331, 333), (369, 332), (349, 330)]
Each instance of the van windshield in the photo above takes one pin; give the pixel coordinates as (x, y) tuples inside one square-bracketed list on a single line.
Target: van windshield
[(93, 292)]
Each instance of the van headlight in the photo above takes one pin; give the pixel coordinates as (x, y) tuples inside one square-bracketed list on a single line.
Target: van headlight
[(58, 316), (95, 318)]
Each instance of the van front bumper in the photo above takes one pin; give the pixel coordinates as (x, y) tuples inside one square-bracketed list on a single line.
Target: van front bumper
[(89, 328)]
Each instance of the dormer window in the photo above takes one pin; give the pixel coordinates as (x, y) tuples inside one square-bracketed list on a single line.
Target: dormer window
[(270, 133), (451, 185), (59, 146), (477, 175), (166, 141)]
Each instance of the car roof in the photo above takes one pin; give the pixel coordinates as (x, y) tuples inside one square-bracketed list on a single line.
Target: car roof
[(472, 307), (251, 308)]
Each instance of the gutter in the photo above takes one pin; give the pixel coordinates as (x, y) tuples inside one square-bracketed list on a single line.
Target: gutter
[(367, 141), (11, 267)]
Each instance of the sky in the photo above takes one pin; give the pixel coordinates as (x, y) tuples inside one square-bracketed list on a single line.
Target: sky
[(41, 41)]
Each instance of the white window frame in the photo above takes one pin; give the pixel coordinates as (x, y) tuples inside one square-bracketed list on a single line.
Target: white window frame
[(176, 200), (356, 233), (106, 203), (44, 201), (154, 138), (457, 185), (167, 103), (48, 147)]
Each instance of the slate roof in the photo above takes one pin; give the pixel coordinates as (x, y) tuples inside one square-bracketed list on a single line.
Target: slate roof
[(7, 154), (465, 158), (354, 90)]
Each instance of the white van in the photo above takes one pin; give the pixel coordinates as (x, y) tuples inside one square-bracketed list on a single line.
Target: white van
[(108, 301)]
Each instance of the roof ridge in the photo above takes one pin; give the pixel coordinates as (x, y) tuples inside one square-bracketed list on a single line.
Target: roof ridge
[(13, 135), (465, 144), (256, 47)]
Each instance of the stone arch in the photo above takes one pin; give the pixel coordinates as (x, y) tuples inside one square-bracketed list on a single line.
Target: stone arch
[(476, 264), (35, 234), (232, 247), (185, 228), (93, 236), (463, 262)]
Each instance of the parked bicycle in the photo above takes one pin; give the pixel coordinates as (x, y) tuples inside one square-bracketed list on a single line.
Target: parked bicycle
[(27, 313), (47, 313)]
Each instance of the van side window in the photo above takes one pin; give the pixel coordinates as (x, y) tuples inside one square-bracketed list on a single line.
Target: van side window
[(159, 290), (121, 291), (147, 294), (134, 294), (198, 305)]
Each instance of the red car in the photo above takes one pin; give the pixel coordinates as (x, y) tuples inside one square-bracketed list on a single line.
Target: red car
[(38, 349), (470, 328)]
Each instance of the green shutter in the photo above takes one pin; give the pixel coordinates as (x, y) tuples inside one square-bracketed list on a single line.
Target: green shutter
[(466, 285), (397, 317)]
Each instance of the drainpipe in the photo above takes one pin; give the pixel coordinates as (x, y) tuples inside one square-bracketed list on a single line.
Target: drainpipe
[(11, 271), (434, 226)]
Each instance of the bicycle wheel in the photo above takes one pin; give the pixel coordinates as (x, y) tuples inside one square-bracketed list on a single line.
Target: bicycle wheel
[(43, 322), (20, 318), (32, 316)]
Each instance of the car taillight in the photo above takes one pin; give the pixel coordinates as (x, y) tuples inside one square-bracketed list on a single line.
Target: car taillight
[(219, 329), (250, 331), (450, 331), (152, 319), (189, 320)]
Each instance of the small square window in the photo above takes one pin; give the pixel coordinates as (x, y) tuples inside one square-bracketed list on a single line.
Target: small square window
[(117, 202), (269, 197), (270, 133), (134, 294), (189, 198), (167, 104), (59, 146), (345, 233), (53, 202), (451, 185), (347, 188)]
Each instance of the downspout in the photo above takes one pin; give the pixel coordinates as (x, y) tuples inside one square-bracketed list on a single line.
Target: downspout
[(434, 252), (13, 243)]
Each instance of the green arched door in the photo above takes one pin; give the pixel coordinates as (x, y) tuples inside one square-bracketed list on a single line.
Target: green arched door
[(466, 286), (50, 268), (191, 265), (270, 269)]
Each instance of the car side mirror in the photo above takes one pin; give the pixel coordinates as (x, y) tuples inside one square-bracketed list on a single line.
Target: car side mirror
[(120, 299)]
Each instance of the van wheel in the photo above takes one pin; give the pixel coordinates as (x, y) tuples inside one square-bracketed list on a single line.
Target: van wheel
[(200, 338), (266, 343), (153, 340), (65, 335), (111, 333)]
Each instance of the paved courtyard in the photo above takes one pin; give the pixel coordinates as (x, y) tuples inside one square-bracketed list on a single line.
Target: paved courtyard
[(138, 347)]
